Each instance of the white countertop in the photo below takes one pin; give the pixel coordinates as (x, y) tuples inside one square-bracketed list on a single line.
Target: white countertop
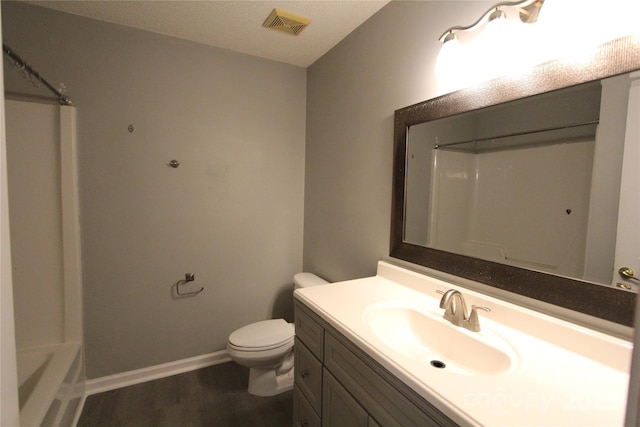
[(563, 375)]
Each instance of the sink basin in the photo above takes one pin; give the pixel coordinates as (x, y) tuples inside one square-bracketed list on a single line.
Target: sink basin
[(422, 334)]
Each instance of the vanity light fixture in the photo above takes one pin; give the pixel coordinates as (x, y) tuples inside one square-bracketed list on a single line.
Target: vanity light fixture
[(528, 11), (495, 22)]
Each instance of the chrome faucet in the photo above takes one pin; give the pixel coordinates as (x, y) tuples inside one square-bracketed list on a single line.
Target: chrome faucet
[(455, 310)]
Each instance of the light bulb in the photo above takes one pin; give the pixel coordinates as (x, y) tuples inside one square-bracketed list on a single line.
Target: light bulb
[(449, 57), (497, 30), (495, 50)]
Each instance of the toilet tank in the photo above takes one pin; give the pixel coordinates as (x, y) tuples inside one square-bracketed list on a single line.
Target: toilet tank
[(306, 280)]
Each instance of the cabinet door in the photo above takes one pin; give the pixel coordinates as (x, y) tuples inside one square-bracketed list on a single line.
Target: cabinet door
[(339, 409), (303, 413), (380, 398)]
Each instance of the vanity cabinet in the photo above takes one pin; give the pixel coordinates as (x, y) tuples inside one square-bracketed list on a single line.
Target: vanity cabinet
[(338, 385)]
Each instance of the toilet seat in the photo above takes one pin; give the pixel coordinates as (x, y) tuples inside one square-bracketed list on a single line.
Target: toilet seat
[(263, 335)]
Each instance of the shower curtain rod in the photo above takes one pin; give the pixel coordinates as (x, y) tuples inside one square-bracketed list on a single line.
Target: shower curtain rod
[(22, 65)]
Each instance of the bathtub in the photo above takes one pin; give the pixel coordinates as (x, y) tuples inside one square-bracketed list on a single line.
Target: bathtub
[(50, 386)]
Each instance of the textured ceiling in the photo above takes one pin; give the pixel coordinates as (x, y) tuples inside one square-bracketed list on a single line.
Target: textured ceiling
[(234, 25)]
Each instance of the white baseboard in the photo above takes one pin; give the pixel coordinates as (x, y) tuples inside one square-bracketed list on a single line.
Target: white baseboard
[(123, 379)]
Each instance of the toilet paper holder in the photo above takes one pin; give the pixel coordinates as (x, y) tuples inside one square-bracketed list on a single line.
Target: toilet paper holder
[(188, 277)]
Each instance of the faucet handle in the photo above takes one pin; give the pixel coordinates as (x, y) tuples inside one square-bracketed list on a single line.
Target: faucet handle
[(473, 324)]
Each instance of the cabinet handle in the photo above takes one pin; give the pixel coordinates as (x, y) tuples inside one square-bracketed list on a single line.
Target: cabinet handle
[(304, 423), (304, 373)]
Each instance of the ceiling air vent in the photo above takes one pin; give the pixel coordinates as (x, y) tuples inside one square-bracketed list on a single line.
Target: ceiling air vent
[(287, 22)]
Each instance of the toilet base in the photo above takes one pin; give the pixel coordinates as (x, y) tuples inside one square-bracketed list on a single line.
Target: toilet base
[(265, 382)]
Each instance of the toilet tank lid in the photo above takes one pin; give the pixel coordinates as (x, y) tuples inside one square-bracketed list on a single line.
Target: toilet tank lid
[(305, 280), (267, 333)]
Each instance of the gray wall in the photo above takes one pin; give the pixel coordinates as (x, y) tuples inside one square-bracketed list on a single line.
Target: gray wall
[(232, 213), (352, 92)]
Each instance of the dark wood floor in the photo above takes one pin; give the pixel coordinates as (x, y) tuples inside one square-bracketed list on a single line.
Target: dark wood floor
[(214, 397)]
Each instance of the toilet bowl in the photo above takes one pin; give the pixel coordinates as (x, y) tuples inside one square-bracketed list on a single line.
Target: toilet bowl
[(266, 347)]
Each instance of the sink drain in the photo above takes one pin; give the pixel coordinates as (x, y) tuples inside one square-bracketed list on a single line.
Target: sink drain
[(438, 364)]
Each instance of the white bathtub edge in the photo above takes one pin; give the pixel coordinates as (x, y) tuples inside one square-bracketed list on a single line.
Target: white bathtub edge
[(137, 376), (76, 417), (35, 408)]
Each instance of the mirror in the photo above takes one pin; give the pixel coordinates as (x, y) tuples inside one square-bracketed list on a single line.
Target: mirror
[(515, 183)]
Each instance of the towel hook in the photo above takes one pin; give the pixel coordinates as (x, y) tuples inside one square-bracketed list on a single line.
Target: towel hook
[(188, 277)]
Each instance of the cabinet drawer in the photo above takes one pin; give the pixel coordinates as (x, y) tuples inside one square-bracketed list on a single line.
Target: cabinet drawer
[(303, 413), (384, 401), (308, 374), (309, 331)]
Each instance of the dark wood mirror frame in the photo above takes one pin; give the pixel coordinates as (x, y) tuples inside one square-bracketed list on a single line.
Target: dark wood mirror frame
[(605, 302)]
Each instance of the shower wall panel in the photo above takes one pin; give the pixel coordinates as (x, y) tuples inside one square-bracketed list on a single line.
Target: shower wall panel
[(33, 154), (483, 211)]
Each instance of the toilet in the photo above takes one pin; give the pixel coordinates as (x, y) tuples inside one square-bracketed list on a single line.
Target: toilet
[(266, 347)]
